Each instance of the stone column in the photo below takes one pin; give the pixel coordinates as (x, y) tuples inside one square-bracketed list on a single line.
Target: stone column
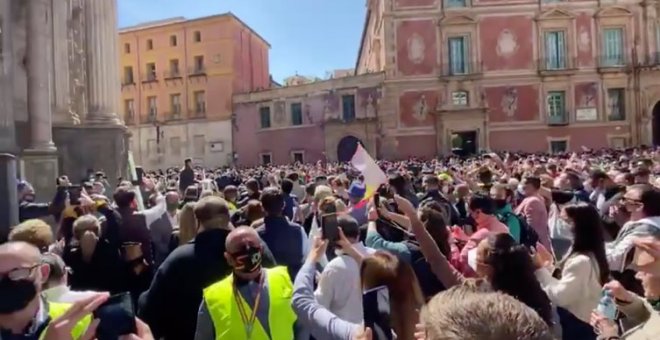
[(39, 162), (103, 84), (39, 104), (60, 62)]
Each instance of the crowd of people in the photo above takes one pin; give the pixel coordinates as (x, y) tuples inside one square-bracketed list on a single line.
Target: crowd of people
[(492, 246)]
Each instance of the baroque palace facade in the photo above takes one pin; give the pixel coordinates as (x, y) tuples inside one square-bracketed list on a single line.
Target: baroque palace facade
[(432, 75)]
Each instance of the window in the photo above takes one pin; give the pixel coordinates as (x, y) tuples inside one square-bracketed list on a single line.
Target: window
[(199, 64), (129, 110), (127, 48), (612, 47), (348, 107), (175, 105), (459, 98), (558, 146), (555, 50), (175, 146), (296, 114), (616, 102), (199, 145), (458, 55), (197, 36), (217, 146), (152, 108), (174, 68), (200, 102), (298, 156), (173, 40), (556, 107), (266, 158), (128, 75), (151, 71), (264, 115), (455, 3), (150, 44)]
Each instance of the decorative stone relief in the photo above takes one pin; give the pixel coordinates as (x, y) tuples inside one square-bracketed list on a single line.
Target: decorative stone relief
[(416, 49), (308, 114), (507, 44), (588, 95), (509, 101), (421, 109), (584, 40), (370, 109), (279, 116), (328, 112)]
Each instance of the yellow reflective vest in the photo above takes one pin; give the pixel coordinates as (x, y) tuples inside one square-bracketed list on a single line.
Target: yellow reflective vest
[(55, 310), (227, 322)]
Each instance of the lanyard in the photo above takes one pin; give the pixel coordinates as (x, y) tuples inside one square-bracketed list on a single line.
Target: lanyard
[(248, 321)]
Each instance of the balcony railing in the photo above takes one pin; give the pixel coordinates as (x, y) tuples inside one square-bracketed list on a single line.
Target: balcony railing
[(199, 111), (150, 118), (616, 61), (126, 81), (173, 115), (461, 69), (198, 70), (172, 74), (559, 65), (149, 77), (560, 119), (129, 117)]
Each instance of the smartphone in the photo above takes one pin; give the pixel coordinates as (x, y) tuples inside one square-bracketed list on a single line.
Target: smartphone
[(376, 309), (74, 194), (116, 317), (376, 200), (139, 174), (329, 227)]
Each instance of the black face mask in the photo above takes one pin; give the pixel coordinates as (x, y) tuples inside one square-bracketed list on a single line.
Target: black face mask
[(500, 204), (15, 295), (247, 260)]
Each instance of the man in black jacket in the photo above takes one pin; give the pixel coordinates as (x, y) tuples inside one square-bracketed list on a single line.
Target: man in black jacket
[(186, 176), (171, 304), (29, 209)]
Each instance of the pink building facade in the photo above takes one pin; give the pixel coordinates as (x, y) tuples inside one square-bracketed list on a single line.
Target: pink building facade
[(514, 75)]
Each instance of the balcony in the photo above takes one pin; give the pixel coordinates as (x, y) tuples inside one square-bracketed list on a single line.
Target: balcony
[(149, 77), (558, 120), (172, 74), (197, 71), (150, 118), (465, 70), (127, 81), (554, 66), (175, 114), (199, 111), (129, 118), (613, 63)]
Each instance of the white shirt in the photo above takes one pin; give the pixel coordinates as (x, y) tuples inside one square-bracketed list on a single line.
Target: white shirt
[(63, 294), (579, 288), (340, 289)]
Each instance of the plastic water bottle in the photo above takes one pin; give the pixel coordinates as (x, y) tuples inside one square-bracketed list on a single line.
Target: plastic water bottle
[(606, 305)]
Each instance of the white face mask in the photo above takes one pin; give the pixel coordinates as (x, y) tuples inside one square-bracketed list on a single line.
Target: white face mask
[(339, 252)]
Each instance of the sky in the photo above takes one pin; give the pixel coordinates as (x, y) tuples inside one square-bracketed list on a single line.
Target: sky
[(307, 37)]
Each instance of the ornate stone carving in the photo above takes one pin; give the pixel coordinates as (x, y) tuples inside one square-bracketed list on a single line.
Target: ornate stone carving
[(584, 40), (370, 109), (421, 109), (416, 48), (507, 43), (509, 101)]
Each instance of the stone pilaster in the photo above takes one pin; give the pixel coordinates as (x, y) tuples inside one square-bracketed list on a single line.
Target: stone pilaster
[(60, 10), (7, 128), (103, 84), (39, 104)]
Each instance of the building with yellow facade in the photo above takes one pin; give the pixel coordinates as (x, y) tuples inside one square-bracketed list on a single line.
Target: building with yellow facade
[(178, 77)]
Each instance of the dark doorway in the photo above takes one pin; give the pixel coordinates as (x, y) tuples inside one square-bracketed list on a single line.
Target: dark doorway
[(656, 124), (464, 143), (346, 148)]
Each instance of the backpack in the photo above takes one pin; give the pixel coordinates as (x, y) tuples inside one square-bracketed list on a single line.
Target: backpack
[(528, 236)]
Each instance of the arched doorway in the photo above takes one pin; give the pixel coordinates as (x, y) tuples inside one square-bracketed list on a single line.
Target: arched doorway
[(655, 127), (346, 148)]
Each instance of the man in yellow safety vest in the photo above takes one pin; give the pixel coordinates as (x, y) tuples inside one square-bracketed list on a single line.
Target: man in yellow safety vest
[(252, 303)]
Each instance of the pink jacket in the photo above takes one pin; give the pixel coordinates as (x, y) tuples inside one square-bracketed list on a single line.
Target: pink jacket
[(490, 225), (534, 210)]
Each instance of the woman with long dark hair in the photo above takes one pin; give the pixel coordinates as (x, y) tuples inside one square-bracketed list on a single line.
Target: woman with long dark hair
[(576, 289), (509, 269)]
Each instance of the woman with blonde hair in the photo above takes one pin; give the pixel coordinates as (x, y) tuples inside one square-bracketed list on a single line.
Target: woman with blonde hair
[(187, 228)]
